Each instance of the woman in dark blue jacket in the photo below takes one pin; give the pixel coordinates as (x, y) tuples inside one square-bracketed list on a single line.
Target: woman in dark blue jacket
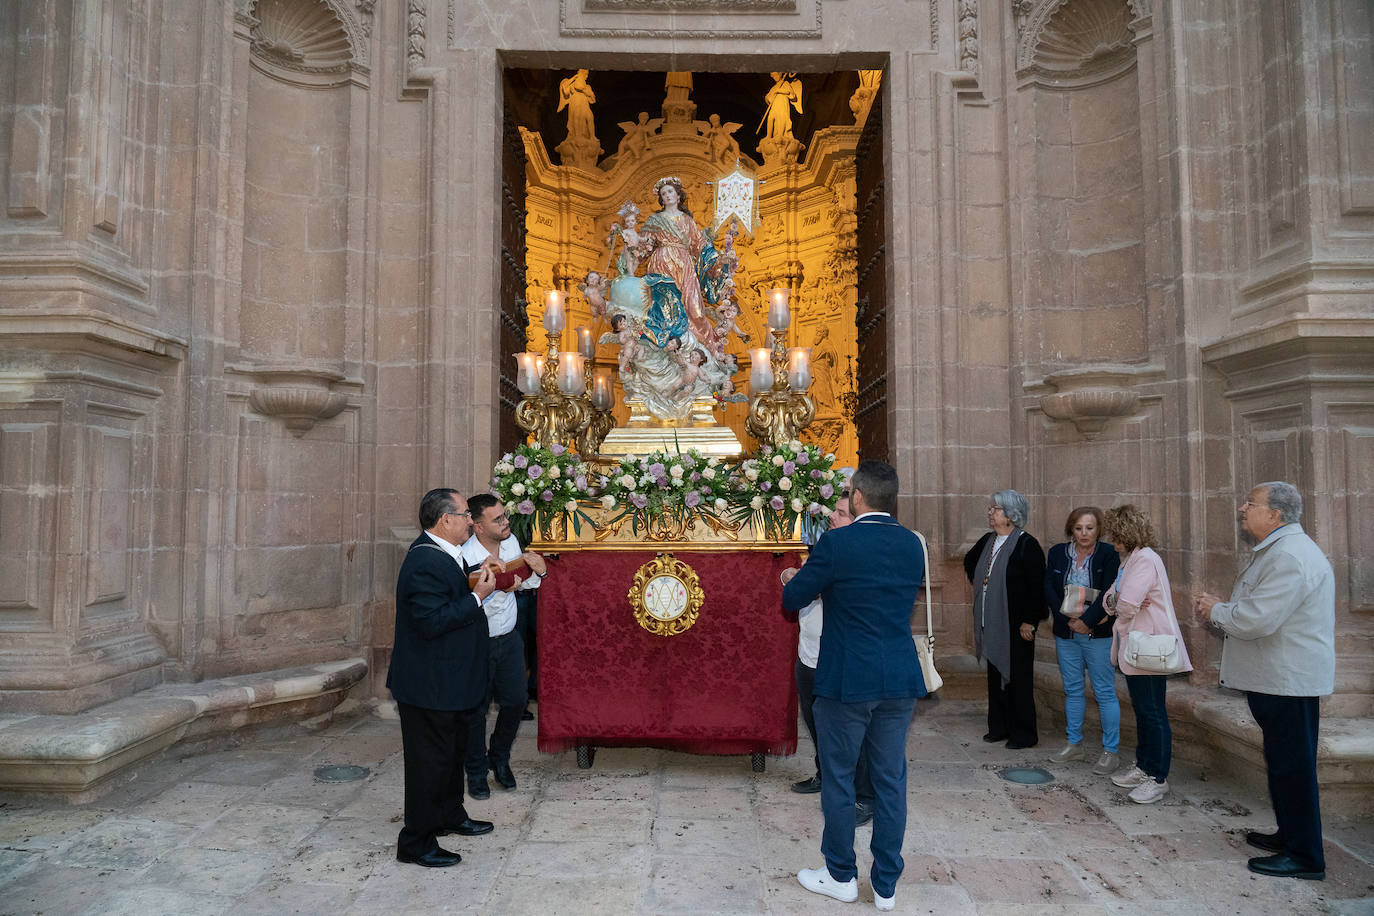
[(1085, 642)]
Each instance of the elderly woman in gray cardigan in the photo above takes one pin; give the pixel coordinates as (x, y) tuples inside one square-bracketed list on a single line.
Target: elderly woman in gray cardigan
[(1007, 570)]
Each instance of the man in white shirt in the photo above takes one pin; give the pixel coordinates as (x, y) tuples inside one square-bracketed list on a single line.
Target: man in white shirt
[(1280, 627), (492, 538)]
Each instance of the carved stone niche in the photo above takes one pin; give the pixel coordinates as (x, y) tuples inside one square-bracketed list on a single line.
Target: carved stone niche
[(300, 398), (1090, 396)]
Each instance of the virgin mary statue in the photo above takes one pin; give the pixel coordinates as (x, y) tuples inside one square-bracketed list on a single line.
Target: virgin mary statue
[(684, 271)]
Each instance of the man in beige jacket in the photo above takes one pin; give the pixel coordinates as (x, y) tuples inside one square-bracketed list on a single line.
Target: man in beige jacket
[(1280, 649)]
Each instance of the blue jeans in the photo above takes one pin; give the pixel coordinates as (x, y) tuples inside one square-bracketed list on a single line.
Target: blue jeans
[(1154, 744), (878, 727), (1079, 652)]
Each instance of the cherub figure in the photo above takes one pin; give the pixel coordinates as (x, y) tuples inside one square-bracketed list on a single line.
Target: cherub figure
[(726, 394), (636, 245), (692, 372), (724, 148), (638, 136), (726, 313), (630, 348), (594, 288)]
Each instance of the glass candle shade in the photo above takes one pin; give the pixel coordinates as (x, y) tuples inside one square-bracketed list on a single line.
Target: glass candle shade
[(760, 370), (527, 369), (553, 311), (570, 373), (585, 344), (779, 315), (603, 394), (799, 368)]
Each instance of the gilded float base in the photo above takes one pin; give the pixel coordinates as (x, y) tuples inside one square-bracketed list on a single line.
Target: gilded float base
[(643, 433), (660, 533)]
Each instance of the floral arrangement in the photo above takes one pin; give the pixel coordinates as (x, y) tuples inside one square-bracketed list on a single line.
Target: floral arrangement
[(674, 485), (538, 485), (783, 484)]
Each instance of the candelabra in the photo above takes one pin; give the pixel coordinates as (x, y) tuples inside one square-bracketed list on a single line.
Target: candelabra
[(779, 408), (598, 396), (554, 408)]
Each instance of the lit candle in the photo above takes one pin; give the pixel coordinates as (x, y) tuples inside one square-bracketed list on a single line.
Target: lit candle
[(585, 345), (760, 371), (528, 366), (799, 368), (779, 316), (603, 393), (553, 310), (570, 379)]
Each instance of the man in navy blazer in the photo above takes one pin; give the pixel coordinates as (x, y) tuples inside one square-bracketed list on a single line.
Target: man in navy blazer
[(438, 677), (868, 678)]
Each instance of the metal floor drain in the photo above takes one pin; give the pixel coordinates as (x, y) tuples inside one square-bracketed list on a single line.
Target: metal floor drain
[(1027, 776), (340, 772)]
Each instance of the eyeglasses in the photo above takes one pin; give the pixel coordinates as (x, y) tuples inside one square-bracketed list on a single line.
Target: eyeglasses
[(467, 515), (995, 508), (1254, 505)]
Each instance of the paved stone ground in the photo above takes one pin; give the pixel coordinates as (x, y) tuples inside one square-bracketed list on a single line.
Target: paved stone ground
[(246, 829)]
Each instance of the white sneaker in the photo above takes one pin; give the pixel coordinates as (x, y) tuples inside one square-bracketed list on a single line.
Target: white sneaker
[(1129, 778), (1070, 753), (1106, 764), (818, 881), (884, 903), (1149, 792)]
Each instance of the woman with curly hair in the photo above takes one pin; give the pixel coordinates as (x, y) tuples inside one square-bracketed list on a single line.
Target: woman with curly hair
[(1140, 600)]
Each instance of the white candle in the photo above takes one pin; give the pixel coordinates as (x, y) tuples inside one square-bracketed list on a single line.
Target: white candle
[(527, 372), (603, 394), (585, 345), (553, 310), (799, 368), (760, 371), (779, 316), (570, 378)]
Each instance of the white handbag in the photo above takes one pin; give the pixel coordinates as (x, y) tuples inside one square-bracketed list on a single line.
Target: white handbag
[(925, 645), (1156, 652)]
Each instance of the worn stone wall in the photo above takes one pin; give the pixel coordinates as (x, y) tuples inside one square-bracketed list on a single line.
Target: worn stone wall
[(250, 268)]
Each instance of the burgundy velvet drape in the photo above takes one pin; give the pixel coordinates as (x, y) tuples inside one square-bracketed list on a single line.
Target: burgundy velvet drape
[(723, 687)]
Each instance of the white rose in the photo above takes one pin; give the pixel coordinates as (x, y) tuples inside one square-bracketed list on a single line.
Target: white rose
[(712, 462), (829, 475), (554, 473), (778, 460), (752, 474), (536, 446), (518, 489), (827, 511), (627, 482), (756, 502), (785, 484), (721, 504), (830, 456), (676, 470), (795, 445), (709, 473), (510, 507), (798, 505), (570, 505), (608, 501)]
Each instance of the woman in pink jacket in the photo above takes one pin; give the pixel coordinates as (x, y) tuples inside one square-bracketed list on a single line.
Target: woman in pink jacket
[(1141, 601)]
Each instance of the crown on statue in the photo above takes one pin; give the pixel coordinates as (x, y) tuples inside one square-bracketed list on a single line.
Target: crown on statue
[(671, 179)]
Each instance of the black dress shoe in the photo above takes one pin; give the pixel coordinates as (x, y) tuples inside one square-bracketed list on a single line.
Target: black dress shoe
[(504, 777), (863, 813), (1285, 866), (1269, 842), (527, 716), (1014, 745), (479, 789), (990, 738), (469, 827), (438, 857), (807, 786)]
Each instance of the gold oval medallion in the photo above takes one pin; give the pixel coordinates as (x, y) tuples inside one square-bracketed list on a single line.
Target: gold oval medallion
[(666, 596)]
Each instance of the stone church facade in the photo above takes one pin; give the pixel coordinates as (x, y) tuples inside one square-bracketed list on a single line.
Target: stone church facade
[(251, 295)]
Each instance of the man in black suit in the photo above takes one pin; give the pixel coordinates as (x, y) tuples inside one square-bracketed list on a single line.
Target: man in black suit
[(438, 677)]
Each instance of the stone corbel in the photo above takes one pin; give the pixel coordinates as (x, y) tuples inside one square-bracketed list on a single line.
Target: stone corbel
[(1089, 396), (298, 397)]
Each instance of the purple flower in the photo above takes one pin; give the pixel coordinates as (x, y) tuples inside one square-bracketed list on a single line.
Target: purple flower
[(657, 469), (662, 481), (557, 449), (692, 499), (535, 471), (803, 458), (547, 496), (696, 475), (581, 482), (776, 503), (827, 491), (705, 491), (765, 486), (813, 509), (639, 500), (525, 508), (789, 468), (815, 474), (688, 462), (520, 461)]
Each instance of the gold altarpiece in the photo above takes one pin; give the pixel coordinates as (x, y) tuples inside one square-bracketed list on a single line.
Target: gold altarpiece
[(805, 241)]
